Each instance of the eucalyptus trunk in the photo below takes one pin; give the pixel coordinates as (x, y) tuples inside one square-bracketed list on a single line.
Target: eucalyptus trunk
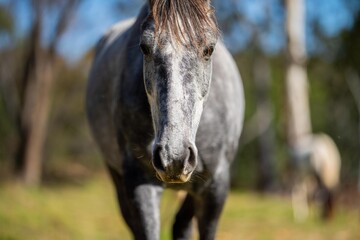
[(298, 119)]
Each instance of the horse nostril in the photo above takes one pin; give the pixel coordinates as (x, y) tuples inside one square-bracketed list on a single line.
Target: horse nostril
[(157, 160), (191, 160)]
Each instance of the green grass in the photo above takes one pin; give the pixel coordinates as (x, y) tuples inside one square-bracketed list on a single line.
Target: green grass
[(89, 211)]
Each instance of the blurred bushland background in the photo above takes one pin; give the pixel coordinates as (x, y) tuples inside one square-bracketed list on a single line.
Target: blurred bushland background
[(46, 50)]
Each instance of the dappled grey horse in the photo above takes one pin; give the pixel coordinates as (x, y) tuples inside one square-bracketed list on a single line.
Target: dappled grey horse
[(165, 104)]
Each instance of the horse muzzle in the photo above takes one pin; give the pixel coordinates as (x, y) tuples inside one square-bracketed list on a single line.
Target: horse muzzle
[(174, 165)]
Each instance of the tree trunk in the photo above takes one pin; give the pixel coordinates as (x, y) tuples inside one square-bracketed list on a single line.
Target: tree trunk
[(296, 84), (35, 114), (35, 92), (29, 86)]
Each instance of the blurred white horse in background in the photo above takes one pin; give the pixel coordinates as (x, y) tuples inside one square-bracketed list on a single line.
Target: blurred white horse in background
[(319, 163)]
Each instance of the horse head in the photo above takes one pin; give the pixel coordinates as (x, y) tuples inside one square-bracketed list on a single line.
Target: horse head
[(177, 48)]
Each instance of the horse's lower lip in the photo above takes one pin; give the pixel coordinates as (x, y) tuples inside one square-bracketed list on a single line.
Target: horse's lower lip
[(183, 178)]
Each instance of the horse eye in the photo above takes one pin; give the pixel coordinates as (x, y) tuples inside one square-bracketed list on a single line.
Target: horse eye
[(208, 51), (145, 49)]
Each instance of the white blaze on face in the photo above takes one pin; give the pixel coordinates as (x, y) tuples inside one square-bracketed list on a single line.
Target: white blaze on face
[(177, 82), (177, 75)]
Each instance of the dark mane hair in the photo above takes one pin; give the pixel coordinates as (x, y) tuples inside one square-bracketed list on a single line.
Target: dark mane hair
[(184, 19)]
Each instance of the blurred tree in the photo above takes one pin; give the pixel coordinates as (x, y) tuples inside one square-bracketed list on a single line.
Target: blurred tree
[(35, 87), (298, 121)]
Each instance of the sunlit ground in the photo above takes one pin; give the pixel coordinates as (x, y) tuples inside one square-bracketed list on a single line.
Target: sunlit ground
[(89, 211)]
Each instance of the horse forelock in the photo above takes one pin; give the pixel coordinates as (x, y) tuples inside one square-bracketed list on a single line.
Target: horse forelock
[(185, 20)]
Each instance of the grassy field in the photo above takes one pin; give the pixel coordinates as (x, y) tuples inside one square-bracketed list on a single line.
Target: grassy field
[(89, 211)]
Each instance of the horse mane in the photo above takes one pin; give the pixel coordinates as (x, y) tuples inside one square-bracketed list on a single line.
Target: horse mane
[(185, 20)]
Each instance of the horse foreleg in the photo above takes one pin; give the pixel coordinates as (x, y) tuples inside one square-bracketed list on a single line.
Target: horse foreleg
[(327, 202), (182, 227), (209, 205), (139, 204)]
